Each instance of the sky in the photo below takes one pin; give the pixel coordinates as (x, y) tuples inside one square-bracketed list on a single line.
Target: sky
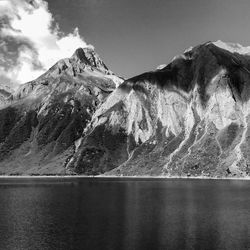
[(131, 36)]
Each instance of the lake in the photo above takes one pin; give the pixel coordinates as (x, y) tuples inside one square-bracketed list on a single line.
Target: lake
[(95, 213)]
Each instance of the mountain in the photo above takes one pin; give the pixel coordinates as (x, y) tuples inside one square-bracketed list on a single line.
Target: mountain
[(190, 117), (45, 117), (5, 94)]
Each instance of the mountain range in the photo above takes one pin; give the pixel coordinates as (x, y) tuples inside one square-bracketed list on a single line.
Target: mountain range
[(188, 118)]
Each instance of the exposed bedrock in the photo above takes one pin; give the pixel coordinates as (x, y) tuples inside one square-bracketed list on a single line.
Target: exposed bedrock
[(189, 118)]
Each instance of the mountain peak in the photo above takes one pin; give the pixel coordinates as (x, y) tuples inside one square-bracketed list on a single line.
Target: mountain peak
[(79, 54), (89, 57)]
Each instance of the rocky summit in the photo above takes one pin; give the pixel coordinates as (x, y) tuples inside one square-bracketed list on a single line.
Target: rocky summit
[(188, 118)]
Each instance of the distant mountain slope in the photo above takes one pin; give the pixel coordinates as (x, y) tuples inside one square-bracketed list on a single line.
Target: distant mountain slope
[(46, 117)]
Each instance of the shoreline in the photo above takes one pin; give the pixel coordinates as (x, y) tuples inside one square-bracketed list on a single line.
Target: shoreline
[(121, 177)]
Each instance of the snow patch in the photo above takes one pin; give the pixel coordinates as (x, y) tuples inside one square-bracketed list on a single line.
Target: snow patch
[(189, 49), (233, 47), (161, 66), (117, 80), (78, 143)]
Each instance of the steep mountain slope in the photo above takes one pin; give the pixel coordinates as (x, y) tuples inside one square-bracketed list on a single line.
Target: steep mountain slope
[(45, 117), (189, 118), (5, 94)]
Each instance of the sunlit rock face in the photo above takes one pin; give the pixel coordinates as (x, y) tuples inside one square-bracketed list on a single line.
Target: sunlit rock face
[(189, 118), (43, 120)]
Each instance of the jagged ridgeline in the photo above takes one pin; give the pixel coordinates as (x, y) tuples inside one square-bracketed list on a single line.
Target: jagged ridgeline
[(44, 118), (189, 118)]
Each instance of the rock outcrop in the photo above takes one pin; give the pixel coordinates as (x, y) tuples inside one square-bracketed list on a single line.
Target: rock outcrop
[(5, 94), (188, 118)]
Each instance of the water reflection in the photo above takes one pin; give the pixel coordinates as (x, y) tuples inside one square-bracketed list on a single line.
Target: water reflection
[(129, 214)]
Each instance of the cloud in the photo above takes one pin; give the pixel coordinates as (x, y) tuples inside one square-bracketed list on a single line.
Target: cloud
[(31, 40)]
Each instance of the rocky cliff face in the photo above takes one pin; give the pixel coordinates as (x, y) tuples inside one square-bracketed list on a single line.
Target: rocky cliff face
[(46, 117), (5, 94), (188, 118)]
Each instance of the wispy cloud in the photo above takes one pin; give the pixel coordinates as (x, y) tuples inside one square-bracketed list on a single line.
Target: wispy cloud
[(31, 40)]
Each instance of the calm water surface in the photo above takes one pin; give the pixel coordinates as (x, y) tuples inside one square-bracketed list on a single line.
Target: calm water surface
[(77, 213)]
